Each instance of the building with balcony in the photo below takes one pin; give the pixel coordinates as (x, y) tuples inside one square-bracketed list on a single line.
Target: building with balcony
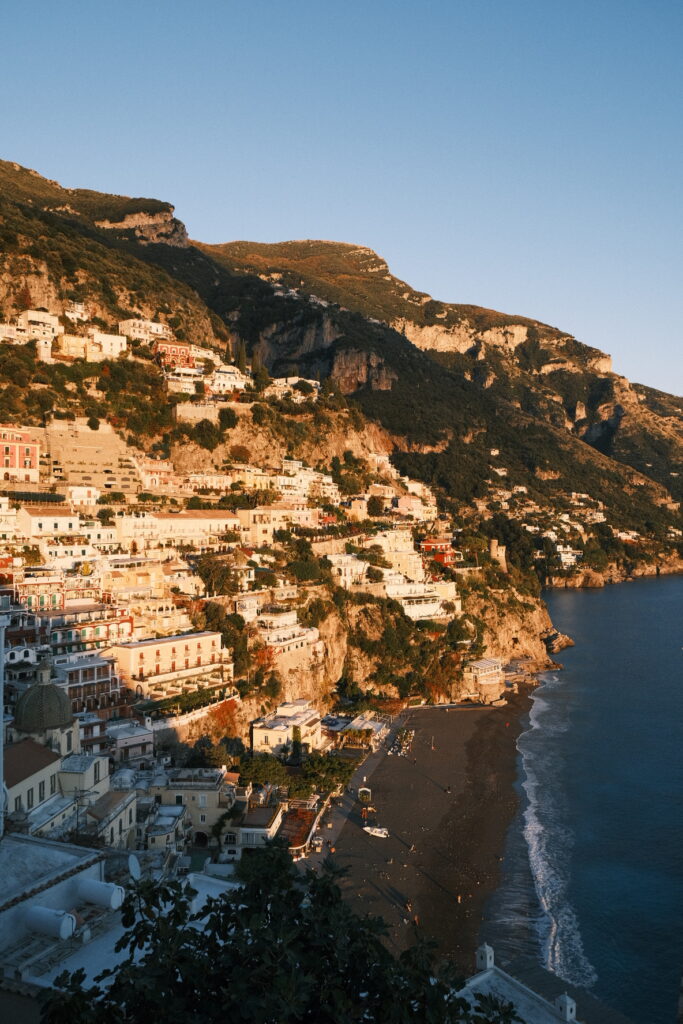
[(292, 722), (205, 793), (91, 681), (418, 600), (282, 631), (85, 626), (147, 331), (169, 665), (20, 455)]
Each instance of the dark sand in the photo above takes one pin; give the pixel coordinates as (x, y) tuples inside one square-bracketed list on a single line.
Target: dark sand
[(458, 837)]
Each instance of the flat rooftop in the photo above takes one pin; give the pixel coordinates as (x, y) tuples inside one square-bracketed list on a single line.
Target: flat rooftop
[(259, 817), (28, 864), (133, 644)]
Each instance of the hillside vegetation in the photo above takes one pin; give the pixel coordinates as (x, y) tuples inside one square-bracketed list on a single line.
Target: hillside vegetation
[(321, 309), (538, 368)]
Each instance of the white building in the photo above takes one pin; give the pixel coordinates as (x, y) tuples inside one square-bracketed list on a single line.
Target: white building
[(37, 323), (282, 631), (82, 496), (347, 570), (76, 311), (531, 1006), (418, 600), (291, 721), (183, 380), (144, 330), (486, 676), (169, 664), (225, 379)]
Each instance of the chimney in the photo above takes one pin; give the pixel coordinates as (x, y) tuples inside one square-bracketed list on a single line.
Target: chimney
[(565, 1007), (485, 959)]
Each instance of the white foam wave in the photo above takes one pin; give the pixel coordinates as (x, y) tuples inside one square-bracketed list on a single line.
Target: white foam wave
[(550, 841)]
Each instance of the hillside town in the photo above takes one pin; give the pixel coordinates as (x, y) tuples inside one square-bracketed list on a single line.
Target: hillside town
[(169, 681)]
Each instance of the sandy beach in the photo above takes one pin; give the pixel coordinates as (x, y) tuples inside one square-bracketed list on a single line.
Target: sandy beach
[(443, 854)]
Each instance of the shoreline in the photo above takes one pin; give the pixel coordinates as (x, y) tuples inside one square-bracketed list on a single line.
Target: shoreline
[(442, 861)]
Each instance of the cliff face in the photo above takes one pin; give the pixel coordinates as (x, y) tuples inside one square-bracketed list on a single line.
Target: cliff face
[(353, 370), (538, 368), (149, 228), (666, 565), (462, 337), (315, 439), (515, 626)]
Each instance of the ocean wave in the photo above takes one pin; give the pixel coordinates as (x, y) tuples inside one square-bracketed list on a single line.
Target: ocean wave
[(549, 841)]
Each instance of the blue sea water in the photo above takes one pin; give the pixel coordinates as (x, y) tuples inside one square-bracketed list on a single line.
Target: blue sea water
[(593, 873)]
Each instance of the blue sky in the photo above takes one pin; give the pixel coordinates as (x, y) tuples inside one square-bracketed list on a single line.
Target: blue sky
[(519, 154)]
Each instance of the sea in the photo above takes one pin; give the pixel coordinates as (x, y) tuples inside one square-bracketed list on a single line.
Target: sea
[(592, 883)]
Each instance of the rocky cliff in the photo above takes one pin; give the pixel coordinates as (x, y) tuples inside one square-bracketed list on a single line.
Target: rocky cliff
[(149, 228)]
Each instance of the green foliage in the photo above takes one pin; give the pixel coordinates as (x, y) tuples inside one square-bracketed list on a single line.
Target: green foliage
[(324, 772), (227, 418), (283, 947), (217, 574), (263, 769), (375, 506), (316, 612), (259, 414), (206, 435)]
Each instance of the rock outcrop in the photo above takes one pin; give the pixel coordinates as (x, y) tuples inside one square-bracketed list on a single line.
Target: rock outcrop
[(149, 228)]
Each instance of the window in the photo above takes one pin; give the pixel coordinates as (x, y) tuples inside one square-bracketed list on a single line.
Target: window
[(97, 771), (29, 798), (266, 740), (202, 799), (202, 818), (17, 803), (69, 741), (179, 798), (130, 817), (53, 784), (41, 792)]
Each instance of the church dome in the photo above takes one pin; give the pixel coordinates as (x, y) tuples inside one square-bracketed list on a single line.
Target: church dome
[(43, 706)]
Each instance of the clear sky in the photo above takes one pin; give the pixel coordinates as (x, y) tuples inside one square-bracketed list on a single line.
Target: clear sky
[(519, 154)]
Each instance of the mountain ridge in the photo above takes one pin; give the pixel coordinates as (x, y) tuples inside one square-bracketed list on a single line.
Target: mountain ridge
[(444, 409)]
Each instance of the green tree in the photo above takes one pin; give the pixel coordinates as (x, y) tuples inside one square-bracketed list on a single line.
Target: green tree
[(227, 418), (375, 506), (261, 378), (241, 357), (281, 949)]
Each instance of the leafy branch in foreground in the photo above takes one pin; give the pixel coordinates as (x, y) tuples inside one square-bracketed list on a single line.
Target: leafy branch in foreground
[(282, 948)]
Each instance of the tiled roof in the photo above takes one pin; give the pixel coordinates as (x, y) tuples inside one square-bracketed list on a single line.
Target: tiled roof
[(24, 759)]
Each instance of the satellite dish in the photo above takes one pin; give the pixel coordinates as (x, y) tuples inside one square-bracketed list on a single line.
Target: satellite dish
[(134, 868)]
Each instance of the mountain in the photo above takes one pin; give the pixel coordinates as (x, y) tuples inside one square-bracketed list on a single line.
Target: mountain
[(448, 383), (538, 368)]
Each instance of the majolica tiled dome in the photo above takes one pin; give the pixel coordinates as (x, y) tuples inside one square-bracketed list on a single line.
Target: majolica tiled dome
[(43, 706)]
